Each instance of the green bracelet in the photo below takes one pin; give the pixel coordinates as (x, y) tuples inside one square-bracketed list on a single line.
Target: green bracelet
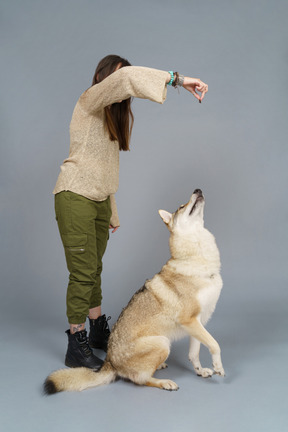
[(172, 77)]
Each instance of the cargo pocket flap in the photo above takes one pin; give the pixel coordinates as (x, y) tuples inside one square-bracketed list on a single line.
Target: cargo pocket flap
[(74, 240)]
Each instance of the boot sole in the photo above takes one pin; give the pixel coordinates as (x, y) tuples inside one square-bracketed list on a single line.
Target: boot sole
[(73, 365)]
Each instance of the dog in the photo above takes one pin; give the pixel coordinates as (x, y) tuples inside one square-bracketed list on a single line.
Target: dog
[(177, 301)]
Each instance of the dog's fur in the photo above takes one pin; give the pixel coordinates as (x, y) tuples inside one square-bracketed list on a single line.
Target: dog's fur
[(177, 301)]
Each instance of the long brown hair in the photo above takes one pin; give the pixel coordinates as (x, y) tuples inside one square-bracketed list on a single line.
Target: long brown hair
[(119, 117)]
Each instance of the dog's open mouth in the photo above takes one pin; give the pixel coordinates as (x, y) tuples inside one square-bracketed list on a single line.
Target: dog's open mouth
[(198, 199)]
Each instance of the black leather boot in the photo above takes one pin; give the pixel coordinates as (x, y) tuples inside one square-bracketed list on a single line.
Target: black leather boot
[(79, 352), (99, 332)]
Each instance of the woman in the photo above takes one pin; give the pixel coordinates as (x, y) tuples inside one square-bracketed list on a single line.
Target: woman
[(84, 193)]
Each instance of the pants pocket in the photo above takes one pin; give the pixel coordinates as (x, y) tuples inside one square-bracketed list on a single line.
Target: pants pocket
[(75, 247), (75, 242)]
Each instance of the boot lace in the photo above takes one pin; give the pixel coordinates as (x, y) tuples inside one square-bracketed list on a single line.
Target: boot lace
[(83, 342)]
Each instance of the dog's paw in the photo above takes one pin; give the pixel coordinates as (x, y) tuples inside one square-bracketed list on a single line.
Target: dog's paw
[(204, 372), (219, 371), (168, 385), (164, 384), (162, 366)]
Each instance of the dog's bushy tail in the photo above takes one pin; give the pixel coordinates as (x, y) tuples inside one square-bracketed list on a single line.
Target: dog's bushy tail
[(78, 379)]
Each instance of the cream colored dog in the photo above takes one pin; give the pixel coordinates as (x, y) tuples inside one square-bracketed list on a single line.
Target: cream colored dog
[(176, 302)]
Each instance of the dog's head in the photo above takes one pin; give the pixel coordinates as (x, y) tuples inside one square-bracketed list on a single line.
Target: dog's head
[(188, 216)]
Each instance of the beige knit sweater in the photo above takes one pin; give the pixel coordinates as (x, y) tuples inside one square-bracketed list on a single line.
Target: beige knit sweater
[(92, 168)]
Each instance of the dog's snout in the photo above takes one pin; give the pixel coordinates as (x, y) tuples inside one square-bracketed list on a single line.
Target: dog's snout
[(198, 191)]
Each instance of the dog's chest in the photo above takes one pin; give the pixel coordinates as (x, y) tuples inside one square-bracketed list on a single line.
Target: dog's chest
[(208, 296)]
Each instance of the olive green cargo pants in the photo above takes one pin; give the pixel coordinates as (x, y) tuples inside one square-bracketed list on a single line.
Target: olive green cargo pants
[(84, 231)]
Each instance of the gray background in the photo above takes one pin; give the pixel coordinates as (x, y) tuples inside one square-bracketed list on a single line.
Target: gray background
[(233, 146)]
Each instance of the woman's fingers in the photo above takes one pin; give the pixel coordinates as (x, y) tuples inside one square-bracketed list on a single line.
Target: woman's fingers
[(196, 95), (202, 88), (114, 229), (196, 86)]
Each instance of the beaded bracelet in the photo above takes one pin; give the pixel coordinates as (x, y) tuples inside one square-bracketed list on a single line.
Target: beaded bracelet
[(175, 82), (172, 78)]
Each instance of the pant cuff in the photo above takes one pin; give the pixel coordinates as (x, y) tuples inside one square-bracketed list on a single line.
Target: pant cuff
[(77, 319)]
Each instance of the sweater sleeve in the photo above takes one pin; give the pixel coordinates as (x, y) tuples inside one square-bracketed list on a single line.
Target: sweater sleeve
[(129, 81), (114, 221)]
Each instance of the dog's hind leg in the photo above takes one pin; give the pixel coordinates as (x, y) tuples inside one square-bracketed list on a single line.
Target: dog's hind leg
[(194, 358), (150, 355), (197, 330)]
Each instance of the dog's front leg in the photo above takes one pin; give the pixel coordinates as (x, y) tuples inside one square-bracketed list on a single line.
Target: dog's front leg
[(194, 358), (197, 330)]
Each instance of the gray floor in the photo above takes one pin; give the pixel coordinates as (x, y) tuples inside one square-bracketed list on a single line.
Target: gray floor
[(252, 396)]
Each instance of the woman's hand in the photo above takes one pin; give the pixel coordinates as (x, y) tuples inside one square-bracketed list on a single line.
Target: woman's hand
[(194, 85), (113, 228)]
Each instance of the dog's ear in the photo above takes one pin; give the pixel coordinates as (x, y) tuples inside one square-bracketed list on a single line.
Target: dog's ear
[(166, 216)]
